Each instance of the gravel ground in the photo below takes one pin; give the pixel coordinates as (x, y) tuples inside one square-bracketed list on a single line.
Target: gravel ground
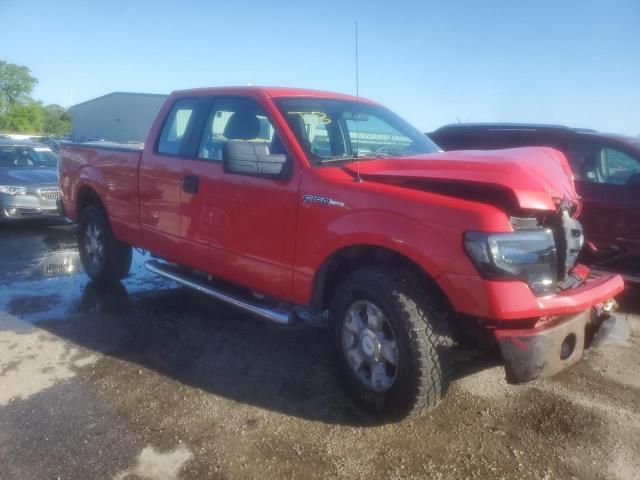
[(150, 381)]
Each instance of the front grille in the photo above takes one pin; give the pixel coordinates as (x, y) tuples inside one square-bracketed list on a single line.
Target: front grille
[(27, 212), (569, 238), (50, 193), (21, 212)]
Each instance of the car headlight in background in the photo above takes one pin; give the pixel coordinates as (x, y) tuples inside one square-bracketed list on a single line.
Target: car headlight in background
[(13, 190), (529, 256)]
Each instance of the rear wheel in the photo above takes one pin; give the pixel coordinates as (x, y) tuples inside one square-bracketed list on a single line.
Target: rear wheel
[(104, 258), (393, 342)]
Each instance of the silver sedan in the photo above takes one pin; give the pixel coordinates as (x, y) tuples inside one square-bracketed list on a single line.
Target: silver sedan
[(28, 181)]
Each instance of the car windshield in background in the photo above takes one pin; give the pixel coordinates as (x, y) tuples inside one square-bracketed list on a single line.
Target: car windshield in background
[(334, 130), (15, 156)]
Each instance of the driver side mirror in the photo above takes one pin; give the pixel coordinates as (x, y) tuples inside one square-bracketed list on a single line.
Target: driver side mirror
[(253, 158)]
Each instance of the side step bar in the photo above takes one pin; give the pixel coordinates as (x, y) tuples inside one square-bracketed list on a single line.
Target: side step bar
[(280, 316)]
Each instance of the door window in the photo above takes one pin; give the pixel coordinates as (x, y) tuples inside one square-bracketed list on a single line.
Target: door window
[(175, 126), (236, 119), (619, 166), (598, 163)]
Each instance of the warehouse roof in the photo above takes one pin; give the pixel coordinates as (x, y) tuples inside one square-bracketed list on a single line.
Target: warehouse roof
[(121, 94)]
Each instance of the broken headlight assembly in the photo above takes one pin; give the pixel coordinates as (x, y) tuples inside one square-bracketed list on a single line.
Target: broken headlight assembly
[(11, 190), (529, 256)]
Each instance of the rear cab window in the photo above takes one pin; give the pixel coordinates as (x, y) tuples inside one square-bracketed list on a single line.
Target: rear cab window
[(173, 134)]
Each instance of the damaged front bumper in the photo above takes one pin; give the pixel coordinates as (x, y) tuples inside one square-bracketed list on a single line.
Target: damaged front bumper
[(544, 351)]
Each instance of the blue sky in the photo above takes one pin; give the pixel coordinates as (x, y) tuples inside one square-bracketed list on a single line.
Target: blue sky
[(574, 62)]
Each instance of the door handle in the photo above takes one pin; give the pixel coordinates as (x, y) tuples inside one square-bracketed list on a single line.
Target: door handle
[(190, 184)]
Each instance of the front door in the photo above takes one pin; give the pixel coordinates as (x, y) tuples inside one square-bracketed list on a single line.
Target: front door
[(623, 169), (238, 227), (602, 173)]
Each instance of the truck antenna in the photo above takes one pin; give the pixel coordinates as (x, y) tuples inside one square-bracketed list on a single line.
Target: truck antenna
[(357, 112)]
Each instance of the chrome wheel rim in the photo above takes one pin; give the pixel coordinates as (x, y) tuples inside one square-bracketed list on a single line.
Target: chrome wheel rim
[(94, 245), (370, 346)]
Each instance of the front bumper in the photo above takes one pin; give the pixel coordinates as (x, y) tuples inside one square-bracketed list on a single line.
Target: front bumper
[(544, 351), (15, 207), (511, 302)]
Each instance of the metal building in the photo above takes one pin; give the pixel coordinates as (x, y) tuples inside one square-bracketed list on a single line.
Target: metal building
[(122, 117)]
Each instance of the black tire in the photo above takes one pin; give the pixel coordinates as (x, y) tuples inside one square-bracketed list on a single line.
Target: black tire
[(115, 260), (422, 342)]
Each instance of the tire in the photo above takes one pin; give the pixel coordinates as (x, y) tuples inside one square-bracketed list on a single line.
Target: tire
[(104, 258), (413, 322)]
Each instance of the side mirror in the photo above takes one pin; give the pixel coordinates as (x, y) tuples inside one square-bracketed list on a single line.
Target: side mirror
[(253, 158)]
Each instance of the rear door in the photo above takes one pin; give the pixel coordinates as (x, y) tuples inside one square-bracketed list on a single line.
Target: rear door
[(161, 179), (240, 228)]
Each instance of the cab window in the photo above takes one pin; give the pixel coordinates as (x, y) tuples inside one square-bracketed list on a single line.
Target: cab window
[(619, 166), (236, 119), (175, 127), (596, 163)]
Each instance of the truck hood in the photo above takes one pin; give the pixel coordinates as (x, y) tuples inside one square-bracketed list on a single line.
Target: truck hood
[(534, 178), (28, 176)]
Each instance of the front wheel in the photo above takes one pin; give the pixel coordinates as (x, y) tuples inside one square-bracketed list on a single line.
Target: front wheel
[(393, 342), (104, 258)]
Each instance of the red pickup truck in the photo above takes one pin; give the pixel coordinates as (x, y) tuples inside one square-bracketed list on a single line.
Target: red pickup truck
[(292, 203)]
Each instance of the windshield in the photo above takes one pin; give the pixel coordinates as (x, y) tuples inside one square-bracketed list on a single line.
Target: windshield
[(12, 156), (330, 129)]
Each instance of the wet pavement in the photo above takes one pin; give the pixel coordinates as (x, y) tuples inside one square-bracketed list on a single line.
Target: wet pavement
[(148, 380)]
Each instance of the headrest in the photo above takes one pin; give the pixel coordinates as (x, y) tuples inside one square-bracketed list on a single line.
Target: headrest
[(242, 125)]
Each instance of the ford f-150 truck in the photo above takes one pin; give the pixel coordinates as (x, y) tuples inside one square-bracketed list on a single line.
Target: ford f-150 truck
[(293, 203)]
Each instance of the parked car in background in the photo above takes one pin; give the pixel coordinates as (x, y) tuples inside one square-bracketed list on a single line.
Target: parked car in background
[(606, 169), (28, 180), (293, 203), (53, 142)]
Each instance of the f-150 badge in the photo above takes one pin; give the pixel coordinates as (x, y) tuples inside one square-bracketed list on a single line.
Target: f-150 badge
[(325, 201)]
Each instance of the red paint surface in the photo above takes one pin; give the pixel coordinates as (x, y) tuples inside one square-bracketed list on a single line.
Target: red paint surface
[(257, 232)]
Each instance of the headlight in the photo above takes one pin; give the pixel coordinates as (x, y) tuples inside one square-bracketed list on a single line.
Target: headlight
[(13, 190), (529, 256)]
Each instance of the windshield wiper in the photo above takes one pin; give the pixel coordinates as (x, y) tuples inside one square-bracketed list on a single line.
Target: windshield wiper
[(355, 157)]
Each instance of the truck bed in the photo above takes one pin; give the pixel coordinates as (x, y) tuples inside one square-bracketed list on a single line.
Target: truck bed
[(111, 169)]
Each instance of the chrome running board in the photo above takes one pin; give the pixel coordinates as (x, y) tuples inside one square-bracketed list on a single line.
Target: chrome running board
[(281, 316)]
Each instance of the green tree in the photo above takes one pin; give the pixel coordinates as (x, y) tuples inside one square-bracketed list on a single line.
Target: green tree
[(57, 120), (18, 111), (27, 117), (16, 85)]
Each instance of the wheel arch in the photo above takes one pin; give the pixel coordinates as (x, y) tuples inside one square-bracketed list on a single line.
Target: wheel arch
[(347, 259), (87, 195)]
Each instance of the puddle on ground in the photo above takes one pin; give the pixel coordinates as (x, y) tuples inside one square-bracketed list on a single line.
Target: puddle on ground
[(50, 297), (29, 305)]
